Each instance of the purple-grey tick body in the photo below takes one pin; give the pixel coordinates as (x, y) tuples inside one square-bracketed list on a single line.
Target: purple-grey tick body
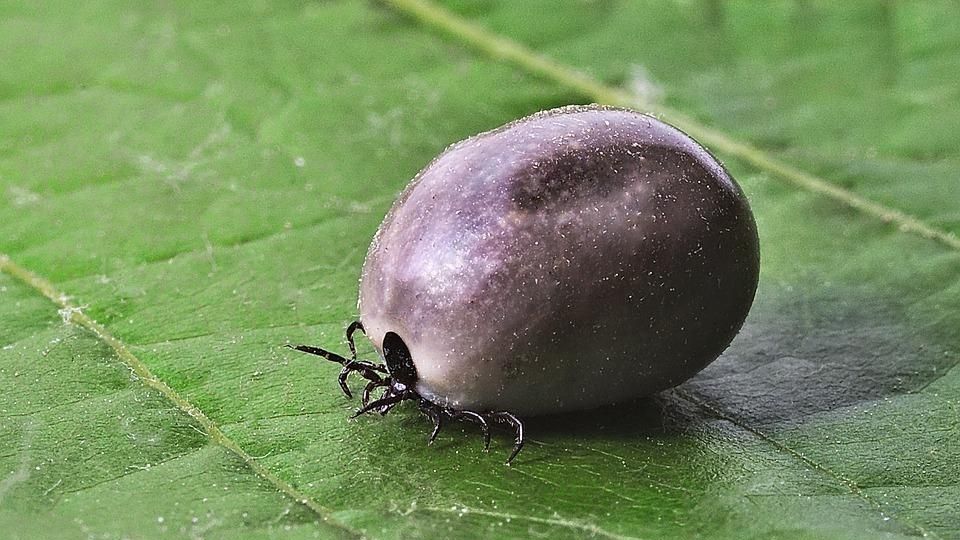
[(574, 258)]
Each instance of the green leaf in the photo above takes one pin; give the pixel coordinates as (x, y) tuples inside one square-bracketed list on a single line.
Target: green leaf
[(186, 188)]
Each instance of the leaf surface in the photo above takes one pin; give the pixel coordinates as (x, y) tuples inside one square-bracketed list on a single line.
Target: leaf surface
[(184, 189)]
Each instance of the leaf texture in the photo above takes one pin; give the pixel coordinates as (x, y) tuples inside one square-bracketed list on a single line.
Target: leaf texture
[(186, 188)]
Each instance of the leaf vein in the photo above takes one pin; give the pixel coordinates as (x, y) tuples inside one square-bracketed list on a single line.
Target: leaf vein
[(851, 485), (555, 521), (359, 208), (501, 47), (75, 315), (132, 470)]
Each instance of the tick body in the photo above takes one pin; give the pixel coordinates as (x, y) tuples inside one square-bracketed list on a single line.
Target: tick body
[(578, 257)]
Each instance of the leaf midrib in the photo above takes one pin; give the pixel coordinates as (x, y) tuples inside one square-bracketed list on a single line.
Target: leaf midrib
[(76, 316), (216, 435), (502, 47)]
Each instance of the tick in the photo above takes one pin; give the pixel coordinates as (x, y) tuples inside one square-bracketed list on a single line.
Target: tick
[(578, 257)]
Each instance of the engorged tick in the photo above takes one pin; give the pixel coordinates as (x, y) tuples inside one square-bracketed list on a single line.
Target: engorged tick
[(578, 257)]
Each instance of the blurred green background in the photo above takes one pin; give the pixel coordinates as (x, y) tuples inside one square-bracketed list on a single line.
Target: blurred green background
[(186, 187)]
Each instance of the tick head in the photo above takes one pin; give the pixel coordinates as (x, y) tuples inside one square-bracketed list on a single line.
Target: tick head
[(399, 362)]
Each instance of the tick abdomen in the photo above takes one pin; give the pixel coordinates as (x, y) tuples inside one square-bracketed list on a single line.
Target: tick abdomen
[(571, 259)]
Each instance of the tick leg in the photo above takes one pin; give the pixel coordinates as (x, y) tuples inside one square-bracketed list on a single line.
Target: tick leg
[(387, 402), (365, 369), (342, 379), (479, 419), (354, 326), (437, 424), (435, 414), (387, 392), (386, 408), (369, 370), (365, 398), (368, 367), (333, 357), (508, 418)]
